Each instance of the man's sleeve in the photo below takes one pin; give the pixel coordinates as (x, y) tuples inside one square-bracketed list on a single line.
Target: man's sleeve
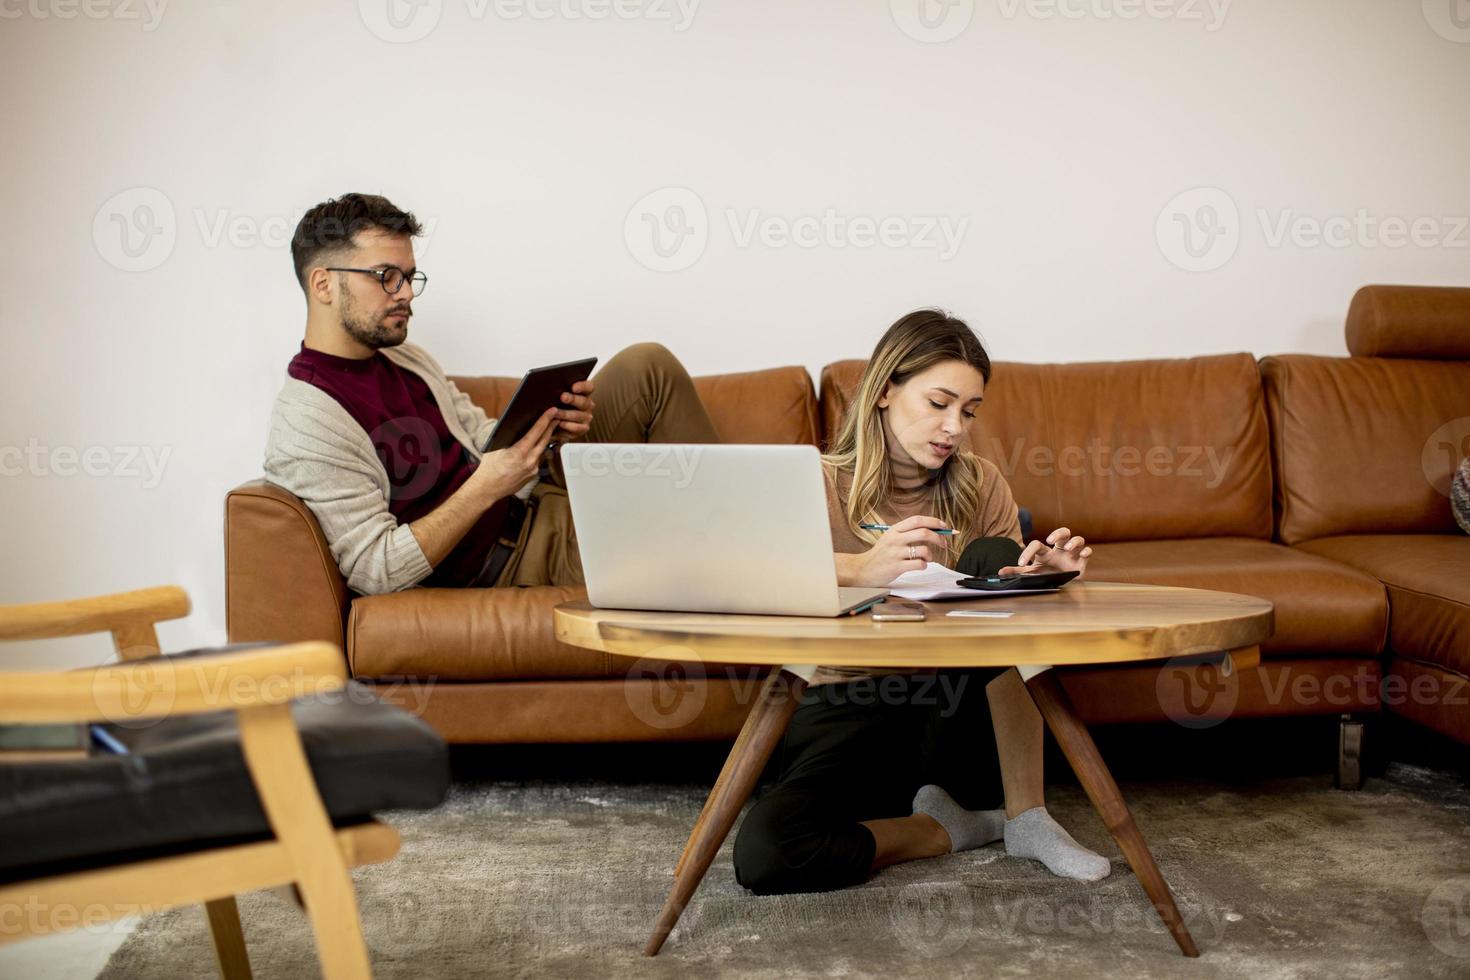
[(471, 416), (311, 453)]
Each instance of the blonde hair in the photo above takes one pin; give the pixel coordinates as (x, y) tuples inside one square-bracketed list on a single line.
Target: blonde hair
[(913, 344)]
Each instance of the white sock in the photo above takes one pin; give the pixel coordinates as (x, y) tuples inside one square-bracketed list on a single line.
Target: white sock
[(966, 828), (1034, 834)]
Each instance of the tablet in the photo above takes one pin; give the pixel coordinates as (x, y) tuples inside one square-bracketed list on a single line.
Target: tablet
[(539, 390)]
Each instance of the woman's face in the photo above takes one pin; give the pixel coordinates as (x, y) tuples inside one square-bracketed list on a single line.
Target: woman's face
[(928, 413)]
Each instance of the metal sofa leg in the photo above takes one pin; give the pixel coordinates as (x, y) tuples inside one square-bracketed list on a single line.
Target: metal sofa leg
[(1349, 754)]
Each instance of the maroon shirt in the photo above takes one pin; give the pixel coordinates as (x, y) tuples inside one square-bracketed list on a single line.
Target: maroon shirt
[(425, 463)]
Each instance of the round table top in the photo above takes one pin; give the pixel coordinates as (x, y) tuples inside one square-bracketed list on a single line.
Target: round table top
[(1084, 623)]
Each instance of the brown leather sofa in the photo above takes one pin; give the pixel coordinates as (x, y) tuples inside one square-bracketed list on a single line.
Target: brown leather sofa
[(1304, 480)]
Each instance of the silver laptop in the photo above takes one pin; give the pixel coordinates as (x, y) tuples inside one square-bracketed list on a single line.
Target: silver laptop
[(706, 528)]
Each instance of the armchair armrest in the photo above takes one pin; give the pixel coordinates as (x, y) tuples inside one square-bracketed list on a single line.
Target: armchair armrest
[(128, 616), (163, 687)]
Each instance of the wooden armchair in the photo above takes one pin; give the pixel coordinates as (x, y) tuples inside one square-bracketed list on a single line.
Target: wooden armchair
[(302, 846)]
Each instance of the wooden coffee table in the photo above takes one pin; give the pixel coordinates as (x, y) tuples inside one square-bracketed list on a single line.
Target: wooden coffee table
[(1087, 623)]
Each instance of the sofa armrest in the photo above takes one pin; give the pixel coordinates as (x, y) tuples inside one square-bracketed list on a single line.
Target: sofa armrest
[(281, 582)]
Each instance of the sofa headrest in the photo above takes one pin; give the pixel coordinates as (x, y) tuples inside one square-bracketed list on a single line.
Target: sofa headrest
[(1424, 322)]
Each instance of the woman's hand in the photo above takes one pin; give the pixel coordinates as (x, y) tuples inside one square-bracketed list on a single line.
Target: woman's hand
[(907, 546), (1063, 552)]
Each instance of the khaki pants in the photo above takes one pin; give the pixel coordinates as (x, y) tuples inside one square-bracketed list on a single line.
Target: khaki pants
[(642, 395)]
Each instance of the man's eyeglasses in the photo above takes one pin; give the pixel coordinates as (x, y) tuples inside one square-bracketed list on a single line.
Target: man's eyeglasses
[(391, 278)]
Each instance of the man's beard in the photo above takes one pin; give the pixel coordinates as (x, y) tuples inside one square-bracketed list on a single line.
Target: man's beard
[(369, 330)]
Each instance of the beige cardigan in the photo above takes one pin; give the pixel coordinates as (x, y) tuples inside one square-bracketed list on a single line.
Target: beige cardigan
[(318, 452)]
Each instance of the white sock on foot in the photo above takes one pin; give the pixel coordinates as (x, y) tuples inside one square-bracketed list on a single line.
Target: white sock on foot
[(1034, 834), (966, 828)]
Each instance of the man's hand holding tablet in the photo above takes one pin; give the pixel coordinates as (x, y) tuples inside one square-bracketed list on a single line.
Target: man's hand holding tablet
[(562, 387)]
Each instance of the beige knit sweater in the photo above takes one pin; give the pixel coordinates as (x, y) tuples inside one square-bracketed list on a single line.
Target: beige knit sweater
[(318, 452)]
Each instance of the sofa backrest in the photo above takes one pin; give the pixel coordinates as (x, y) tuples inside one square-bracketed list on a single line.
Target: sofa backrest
[(1367, 444), (1121, 451), (773, 406)]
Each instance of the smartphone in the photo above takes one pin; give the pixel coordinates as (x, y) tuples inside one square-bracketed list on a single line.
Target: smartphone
[(899, 611), (539, 390), (1020, 583)]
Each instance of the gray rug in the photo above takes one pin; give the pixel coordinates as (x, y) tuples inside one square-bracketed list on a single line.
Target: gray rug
[(1286, 879)]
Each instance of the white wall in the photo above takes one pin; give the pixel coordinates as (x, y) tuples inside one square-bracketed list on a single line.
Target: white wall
[(1061, 140)]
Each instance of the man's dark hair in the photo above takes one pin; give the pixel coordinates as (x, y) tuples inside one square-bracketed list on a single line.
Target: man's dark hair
[(334, 223)]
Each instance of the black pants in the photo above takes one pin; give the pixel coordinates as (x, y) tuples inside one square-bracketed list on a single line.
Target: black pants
[(859, 751)]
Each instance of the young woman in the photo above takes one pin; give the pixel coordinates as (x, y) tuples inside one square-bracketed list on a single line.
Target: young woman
[(882, 768)]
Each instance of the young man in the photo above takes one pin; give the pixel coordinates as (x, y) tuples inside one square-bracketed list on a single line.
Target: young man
[(385, 450)]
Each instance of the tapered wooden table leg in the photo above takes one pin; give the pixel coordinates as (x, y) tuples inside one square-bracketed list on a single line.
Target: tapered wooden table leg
[(762, 730), (728, 768), (1077, 744)]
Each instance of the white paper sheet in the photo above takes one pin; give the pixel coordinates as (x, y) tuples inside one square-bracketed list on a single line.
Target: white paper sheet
[(935, 581)]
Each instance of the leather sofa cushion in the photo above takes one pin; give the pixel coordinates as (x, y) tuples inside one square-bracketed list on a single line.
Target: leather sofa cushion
[(1322, 607), (466, 635), (184, 783), (469, 635), (1356, 443), (1430, 322), (1428, 579), (773, 406), (1125, 451)]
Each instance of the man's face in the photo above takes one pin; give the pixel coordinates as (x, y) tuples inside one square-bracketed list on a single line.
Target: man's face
[(369, 314)]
